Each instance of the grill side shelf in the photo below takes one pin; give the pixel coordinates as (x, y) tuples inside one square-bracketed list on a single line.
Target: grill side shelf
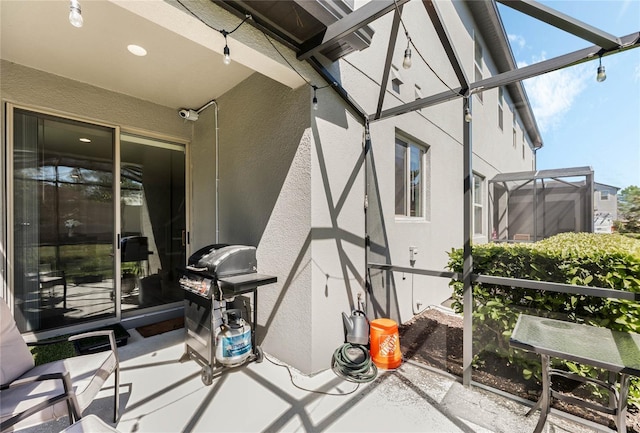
[(239, 284)]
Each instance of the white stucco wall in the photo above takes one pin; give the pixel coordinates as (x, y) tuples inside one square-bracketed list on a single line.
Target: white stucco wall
[(337, 218), (265, 201), (440, 129), (26, 86)]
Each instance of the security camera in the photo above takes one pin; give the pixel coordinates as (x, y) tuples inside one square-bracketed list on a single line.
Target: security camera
[(189, 114)]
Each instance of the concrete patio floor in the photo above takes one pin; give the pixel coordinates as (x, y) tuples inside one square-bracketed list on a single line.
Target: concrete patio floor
[(160, 394)]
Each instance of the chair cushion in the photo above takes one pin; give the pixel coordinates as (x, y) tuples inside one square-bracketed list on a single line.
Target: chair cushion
[(88, 374), (15, 357), (90, 424)]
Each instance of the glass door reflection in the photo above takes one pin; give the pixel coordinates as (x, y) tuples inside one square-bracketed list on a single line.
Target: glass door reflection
[(153, 221), (63, 221)]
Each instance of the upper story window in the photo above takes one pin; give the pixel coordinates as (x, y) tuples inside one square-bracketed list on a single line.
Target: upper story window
[(500, 108), (396, 79), (604, 195), (410, 178), (478, 204), (477, 61)]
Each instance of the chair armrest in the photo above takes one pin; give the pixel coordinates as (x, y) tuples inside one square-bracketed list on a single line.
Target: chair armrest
[(107, 332), (28, 380), (68, 394)]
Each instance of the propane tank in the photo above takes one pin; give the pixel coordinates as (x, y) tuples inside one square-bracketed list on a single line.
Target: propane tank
[(233, 339)]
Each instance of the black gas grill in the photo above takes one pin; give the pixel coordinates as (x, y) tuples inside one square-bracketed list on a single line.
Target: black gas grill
[(214, 277)]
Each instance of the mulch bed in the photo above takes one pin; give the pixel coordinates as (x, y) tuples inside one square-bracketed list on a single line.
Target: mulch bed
[(435, 339)]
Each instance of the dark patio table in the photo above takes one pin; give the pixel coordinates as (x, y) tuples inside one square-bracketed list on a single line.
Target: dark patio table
[(614, 351)]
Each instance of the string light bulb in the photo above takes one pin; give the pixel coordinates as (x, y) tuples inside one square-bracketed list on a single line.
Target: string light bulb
[(75, 13), (227, 54), (601, 75), (315, 98), (467, 115), (406, 63)]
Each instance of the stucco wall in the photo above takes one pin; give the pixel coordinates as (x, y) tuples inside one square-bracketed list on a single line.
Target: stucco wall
[(338, 189), (26, 86), (439, 128), (265, 201)]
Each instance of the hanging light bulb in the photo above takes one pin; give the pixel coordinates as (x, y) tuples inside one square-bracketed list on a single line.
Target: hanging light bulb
[(467, 115), (227, 57), (406, 63), (315, 98), (601, 75), (75, 14)]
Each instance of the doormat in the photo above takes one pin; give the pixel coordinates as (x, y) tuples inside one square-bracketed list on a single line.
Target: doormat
[(161, 327)]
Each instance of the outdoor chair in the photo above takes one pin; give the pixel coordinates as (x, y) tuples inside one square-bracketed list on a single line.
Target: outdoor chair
[(31, 395)]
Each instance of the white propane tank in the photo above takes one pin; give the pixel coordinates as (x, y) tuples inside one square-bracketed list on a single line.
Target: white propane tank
[(233, 339)]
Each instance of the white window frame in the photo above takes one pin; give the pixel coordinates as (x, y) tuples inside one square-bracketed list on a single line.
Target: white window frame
[(477, 63), (501, 108), (424, 190), (478, 204)]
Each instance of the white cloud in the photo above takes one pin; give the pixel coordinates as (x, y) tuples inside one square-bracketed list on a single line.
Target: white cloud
[(518, 40), (636, 74), (623, 9), (552, 95)]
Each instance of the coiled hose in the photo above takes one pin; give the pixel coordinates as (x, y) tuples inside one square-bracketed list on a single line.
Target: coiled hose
[(352, 362)]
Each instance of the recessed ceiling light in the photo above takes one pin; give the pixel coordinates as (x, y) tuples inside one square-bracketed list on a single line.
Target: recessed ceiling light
[(85, 140), (136, 50)]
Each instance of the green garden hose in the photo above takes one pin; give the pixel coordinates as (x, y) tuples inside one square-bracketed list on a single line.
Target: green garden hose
[(352, 362)]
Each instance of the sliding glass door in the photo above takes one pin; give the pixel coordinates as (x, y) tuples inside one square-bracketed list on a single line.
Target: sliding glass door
[(98, 222), (63, 221), (152, 209)]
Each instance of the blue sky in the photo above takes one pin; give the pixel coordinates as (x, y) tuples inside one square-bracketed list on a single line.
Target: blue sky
[(583, 122)]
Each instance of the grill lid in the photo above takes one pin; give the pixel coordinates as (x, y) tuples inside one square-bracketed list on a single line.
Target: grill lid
[(224, 260)]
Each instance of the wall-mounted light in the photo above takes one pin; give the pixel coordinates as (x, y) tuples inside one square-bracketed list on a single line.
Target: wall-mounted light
[(75, 14), (601, 75), (467, 115)]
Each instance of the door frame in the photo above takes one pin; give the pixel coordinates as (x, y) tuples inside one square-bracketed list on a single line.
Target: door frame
[(8, 204)]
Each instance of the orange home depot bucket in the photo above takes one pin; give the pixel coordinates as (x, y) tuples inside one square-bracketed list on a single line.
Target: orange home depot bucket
[(385, 344)]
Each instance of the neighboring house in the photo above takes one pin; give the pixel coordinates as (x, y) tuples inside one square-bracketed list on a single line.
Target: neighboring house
[(605, 207), (96, 153)]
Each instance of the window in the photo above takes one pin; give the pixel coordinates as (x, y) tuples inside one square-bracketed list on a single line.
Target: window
[(604, 195), (396, 79), (477, 64), (418, 92), (410, 179), (478, 200), (500, 108), (515, 130)]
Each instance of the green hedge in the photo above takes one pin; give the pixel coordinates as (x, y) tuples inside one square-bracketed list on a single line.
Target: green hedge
[(586, 259)]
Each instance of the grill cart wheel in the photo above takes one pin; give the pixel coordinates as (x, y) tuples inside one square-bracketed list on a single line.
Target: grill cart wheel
[(207, 375)]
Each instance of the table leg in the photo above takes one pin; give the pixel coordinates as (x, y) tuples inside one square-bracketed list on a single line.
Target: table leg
[(64, 293), (545, 398), (621, 414)]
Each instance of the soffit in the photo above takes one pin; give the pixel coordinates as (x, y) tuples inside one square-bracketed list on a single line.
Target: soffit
[(183, 67)]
